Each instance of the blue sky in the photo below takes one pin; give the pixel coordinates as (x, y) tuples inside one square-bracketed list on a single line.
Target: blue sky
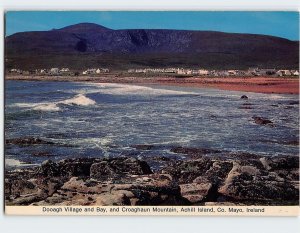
[(282, 24)]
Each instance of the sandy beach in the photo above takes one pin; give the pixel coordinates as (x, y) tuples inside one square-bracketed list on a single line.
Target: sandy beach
[(278, 85)]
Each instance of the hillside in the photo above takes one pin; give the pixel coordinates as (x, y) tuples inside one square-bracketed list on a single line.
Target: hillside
[(90, 45)]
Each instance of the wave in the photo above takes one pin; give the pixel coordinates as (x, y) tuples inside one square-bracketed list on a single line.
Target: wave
[(47, 107), (79, 100), (127, 89), (16, 163)]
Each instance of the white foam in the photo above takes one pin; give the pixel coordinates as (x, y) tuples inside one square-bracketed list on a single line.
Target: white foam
[(16, 163), (80, 100), (127, 89), (47, 107)]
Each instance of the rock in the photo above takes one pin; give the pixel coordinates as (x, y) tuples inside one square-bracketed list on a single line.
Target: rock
[(143, 147), (280, 163), (49, 186), (26, 200), (245, 107), (249, 183), (265, 163), (195, 192), (239, 178), (76, 167), (262, 121), (218, 171), (244, 97), (27, 141), (149, 189), (76, 184), (41, 154), (294, 103), (194, 151), (110, 199), (187, 171), (223, 204), (113, 168), (291, 143), (49, 169), (17, 188)]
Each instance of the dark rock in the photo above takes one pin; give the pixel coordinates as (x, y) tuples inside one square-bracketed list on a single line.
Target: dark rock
[(262, 121), (236, 178), (294, 103), (119, 166), (143, 147), (41, 154), (187, 171), (49, 169), (292, 143), (247, 183), (26, 141), (76, 167), (152, 189), (245, 107), (26, 200), (195, 192), (218, 171), (244, 97), (194, 151), (17, 188), (280, 163)]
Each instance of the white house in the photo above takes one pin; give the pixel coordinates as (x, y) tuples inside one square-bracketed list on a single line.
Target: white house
[(54, 71), (203, 72)]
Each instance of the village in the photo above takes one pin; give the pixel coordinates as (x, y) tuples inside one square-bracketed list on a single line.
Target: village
[(179, 72)]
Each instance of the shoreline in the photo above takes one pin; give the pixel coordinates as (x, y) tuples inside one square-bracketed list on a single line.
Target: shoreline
[(266, 85)]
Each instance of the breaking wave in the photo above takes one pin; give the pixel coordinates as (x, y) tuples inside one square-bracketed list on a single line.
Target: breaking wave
[(127, 89), (16, 163), (79, 100)]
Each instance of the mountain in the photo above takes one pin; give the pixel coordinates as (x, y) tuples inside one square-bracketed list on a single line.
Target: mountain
[(90, 45)]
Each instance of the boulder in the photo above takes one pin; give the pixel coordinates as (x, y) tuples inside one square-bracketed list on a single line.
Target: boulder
[(194, 152), (262, 121), (252, 184), (27, 141), (143, 147), (112, 168), (187, 171), (195, 192), (49, 169)]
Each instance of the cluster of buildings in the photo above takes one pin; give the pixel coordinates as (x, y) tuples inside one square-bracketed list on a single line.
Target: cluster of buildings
[(58, 71), (175, 71), (95, 71), (216, 73)]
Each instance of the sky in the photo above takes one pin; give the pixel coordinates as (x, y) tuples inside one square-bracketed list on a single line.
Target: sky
[(281, 24)]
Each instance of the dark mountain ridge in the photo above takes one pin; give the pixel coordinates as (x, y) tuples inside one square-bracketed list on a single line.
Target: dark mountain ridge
[(89, 45)]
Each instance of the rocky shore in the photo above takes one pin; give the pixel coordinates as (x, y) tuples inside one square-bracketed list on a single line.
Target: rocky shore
[(203, 177)]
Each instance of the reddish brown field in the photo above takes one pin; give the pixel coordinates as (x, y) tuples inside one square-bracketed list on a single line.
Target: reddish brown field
[(253, 84)]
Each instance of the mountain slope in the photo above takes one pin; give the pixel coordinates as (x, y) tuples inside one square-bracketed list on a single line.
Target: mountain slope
[(86, 45)]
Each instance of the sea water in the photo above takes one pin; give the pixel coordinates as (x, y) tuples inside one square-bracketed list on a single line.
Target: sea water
[(104, 119)]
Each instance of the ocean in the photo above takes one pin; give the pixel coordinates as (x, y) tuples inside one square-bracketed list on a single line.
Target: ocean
[(105, 119)]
